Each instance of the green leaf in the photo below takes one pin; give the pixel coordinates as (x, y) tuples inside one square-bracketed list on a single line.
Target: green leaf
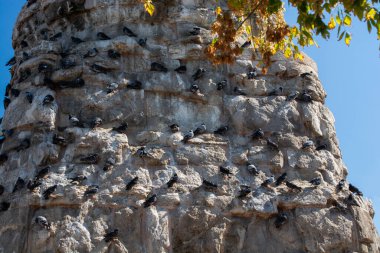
[(338, 20), (347, 39), (369, 26), (341, 36)]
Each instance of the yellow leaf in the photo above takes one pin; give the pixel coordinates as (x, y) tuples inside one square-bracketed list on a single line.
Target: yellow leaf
[(338, 20), (331, 25), (298, 56), (149, 7), (293, 31), (288, 52), (218, 10), (347, 20), (371, 14), (347, 39)]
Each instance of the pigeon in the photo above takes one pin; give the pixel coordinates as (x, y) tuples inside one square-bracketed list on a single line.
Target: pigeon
[(252, 169), (174, 128), (135, 85), (272, 145), (150, 201), (132, 183), (240, 92), (195, 31), (42, 222), (225, 170), (48, 99), (244, 191), (246, 44), (258, 134), (78, 179), (90, 159), (74, 121), (341, 185), (306, 74), (102, 36), (24, 144), (11, 62), (45, 68), (354, 189), (122, 128), (199, 74), (6, 101), (194, 88), (113, 54), (49, 191), (141, 152), (305, 97), (321, 147), (42, 173), (281, 179), (221, 130), (293, 186), (308, 144), (188, 136), (76, 40), (281, 219), (252, 74), (24, 44), (20, 183), (111, 235), (142, 42), (32, 185), (99, 69), (267, 182), (55, 36), (128, 32), (181, 69), (293, 96), (221, 85), (201, 129), (276, 92), (351, 200), (96, 122), (110, 162), (4, 206), (208, 184), (155, 66), (91, 53), (172, 181), (67, 63), (15, 92), (2, 189), (315, 181), (59, 140), (3, 158), (91, 190)]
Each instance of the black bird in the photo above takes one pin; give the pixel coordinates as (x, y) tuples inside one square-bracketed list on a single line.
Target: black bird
[(350, 200), (109, 164), (194, 88), (258, 134), (4, 206), (142, 42), (24, 44), (246, 44), (155, 66), (30, 2), (199, 74), (20, 183), (221, 130), (272, 144), (267, 182), (276, 92), (33, 184), (45, 68), (132, 183), (181, 69), (281, 219), (74, 120), (48, 99), (96, 122), (24, 144), (59, 140), (240, 92), (195, 31), (122, 128), (305, 97), (221, 85), (281, 179), (67, 63), (172, 181), (113, 54), (174, 128), (252, 169), (244, 191), (78, 178), (150, 201), (91, 53), (341, 184), (42, 173), (76, 40), (90, 159), (42, 222), (225, 170), (49, 191), (7, 90), (252, 74), (303, 75), (2, 189), (354, 189), (293, 186), (315, 181), (308, 144), (55, 36), (201, 129), (99, 69), (128, 32), (208, 184), (102, 36), (6, 101), (141, 152), (188, 136), (135, 85), (111, 235), (11, 62), (15, 92), (112, 87), (321, 147), (91, 190)]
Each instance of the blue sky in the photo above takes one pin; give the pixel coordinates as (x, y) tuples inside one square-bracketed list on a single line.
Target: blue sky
[(350, 75)]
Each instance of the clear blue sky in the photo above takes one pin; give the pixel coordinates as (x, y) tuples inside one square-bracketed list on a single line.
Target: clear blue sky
[(350, 75)]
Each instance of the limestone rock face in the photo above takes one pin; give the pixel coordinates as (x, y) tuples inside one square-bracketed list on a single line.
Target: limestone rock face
[(100, 156)]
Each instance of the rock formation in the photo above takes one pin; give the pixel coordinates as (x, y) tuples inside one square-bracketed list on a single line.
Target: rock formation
[(95, 87)]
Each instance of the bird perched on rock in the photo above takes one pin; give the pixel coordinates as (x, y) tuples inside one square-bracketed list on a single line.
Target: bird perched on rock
[(155, 66), (252, 74), (96, 122), (258, 134), (341, 185), (78, 179), (276, 92), (142, 42), (76, 40), (281, 219), (141, 152), (244, 191), (2, 189), (135, 85), (113, 54), (102, 36), (195, 31), (91, 190), (321, 147), (91, 53), (194, 89), (354, 189), (24, 144), (188, 136), (272, 144), (252, 169), (221, 130), (42, 222), (59, 140), (315, 181), (42, 173), (240, 92), (122, 128), (20, 183), (306, 74), (132, 183), (45, 68), (129, 32), (293, 96), (74, 120), (293, 186), (221, 85), (174, 128), (67, 63), (49, 191), (172, 181), (267, 182), (200, 129), (90, 159), (305, 97), (181, 69), (209, 185), (48, 99), (351, 200), (110, 162), (11, 62), (15, 92), (281, 179), (111, 235), (32, 185), (308, 144), (4, 206), (100, 69), (225, 171), (199, 74), (150, 201)]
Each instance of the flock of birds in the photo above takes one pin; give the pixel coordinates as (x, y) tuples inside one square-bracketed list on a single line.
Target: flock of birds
[(91, 190)]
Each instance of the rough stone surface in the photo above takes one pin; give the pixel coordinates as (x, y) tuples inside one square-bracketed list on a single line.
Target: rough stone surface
[(187, 217)]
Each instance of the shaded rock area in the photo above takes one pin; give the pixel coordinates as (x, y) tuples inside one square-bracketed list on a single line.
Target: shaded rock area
[(99, 156)]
